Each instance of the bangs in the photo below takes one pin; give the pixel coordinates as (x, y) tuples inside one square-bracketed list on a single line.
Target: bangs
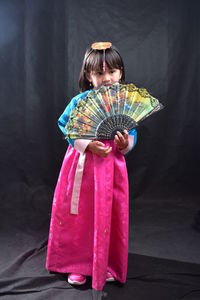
[(113, 60), (95, 60)]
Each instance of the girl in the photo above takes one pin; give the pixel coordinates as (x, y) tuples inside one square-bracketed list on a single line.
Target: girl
[(89, 224)]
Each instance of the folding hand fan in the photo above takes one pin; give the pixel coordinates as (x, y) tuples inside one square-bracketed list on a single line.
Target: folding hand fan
[(110, 109)]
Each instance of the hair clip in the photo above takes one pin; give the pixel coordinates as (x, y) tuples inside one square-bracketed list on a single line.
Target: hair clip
[(102, 46)]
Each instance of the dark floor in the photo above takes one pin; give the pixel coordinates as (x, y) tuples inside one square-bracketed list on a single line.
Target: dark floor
[(163, 227), (164, 256), (148, 278)]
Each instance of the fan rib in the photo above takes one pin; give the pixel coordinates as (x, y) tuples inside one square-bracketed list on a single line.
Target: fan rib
[(104, 111)]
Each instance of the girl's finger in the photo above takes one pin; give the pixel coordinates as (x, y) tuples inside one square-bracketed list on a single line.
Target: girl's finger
[(105, 148), (100, 143), (120, 136), (116, 140), (107, 151), (125, 134)]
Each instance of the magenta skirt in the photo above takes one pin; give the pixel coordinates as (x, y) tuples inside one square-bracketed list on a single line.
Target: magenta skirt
[(95, 240)]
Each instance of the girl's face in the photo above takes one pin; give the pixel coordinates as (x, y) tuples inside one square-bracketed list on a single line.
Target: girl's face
[(107, 78)]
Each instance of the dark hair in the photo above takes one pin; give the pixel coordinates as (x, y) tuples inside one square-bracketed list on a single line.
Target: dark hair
[(93, 60)]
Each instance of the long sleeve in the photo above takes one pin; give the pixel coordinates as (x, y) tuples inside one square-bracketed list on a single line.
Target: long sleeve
[(62, 121), (132, 140)]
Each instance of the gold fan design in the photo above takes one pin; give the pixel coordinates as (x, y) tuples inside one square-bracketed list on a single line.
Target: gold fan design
[(110, 109)]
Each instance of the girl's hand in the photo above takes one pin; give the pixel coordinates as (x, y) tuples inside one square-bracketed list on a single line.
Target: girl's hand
[(121, 140), (99, 148)]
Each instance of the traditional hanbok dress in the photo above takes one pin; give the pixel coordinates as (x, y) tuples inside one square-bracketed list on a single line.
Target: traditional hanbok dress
[(90, 213)]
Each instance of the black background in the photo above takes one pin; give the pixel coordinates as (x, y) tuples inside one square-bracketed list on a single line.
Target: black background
[(42, 44)]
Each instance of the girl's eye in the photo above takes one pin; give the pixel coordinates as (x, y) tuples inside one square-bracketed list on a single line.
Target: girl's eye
[(112, 71)]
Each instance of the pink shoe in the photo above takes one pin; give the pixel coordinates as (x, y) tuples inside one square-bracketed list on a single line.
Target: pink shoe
[(76, 279), (109, 277)]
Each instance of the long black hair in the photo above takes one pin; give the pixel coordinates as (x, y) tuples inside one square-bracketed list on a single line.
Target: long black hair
[(93, 61)]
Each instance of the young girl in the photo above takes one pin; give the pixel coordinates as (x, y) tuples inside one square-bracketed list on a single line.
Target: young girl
[(89, 224)]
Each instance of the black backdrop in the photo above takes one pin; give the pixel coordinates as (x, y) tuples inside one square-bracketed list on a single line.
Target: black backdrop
[(42, 44)]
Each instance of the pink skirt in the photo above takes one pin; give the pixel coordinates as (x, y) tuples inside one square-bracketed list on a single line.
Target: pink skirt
[(96, 240)]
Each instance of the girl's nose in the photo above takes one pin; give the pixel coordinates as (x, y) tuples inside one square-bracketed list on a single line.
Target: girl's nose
[(106, 77)]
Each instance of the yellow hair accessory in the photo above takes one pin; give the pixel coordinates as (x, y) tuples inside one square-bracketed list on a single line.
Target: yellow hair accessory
[(101, 45)]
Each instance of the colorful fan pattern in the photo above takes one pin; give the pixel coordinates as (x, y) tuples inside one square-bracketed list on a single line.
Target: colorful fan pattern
[(104, 111)]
